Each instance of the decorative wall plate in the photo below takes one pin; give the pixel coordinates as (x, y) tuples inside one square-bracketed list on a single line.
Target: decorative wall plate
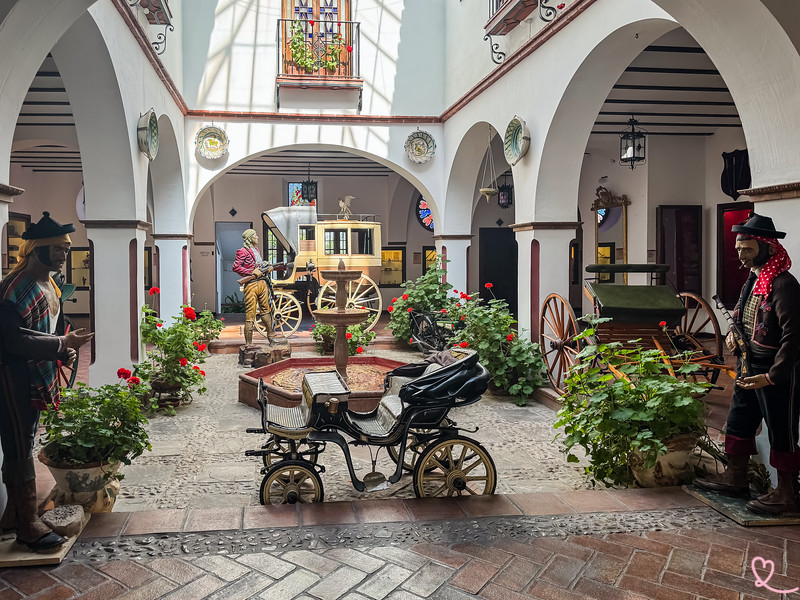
[(516, 141), (147, 134), (420, 147), (211, 142)]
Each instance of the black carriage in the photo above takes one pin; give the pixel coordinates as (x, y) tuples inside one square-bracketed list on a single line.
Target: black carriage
[(410, 421)]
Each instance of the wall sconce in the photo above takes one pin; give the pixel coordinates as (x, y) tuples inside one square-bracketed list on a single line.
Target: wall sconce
[(632, 145)]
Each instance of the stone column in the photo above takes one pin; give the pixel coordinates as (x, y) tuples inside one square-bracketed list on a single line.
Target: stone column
[(455, 247), (173, 273), (542, 270), (116, 296)]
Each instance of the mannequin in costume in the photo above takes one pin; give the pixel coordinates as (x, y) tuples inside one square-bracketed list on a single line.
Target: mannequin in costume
[(29, 300), (248, 262), (768, 313)]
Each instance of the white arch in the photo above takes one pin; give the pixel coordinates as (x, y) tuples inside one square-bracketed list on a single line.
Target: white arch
[(166, 171)]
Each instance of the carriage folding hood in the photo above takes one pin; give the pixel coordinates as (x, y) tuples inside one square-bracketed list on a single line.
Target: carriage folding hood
[(284, 223)]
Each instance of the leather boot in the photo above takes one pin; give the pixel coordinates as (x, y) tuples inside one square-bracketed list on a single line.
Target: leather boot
[(31, 531), (248, 333), (266, 319), (779, 501), (733, 482)]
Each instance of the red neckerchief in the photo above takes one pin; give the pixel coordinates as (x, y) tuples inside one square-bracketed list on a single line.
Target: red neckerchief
[(777, 264)]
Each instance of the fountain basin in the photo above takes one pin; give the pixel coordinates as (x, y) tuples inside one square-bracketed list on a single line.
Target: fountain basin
[(346, 317), (360, 401)]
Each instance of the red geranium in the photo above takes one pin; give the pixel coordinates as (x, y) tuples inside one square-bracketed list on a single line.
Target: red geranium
[(410, 340), (464, 344), (311, 22), (196, 344), (509, 337), (488, 286), (405, 296), (188, 313), (134, 381), (444, 311), (410, 309), (394, 300), (662, 324), (359, 350), (349, 48), (123, 373), (196, 368), (390, 309), (159, 324), (203, 373), (183, 362), (202, 347), (154, 290), (349, 335)]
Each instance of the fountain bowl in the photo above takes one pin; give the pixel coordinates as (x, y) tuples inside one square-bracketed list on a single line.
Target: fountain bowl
[(360, 401)]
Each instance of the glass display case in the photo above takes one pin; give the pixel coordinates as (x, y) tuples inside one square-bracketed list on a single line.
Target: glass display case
[(79, 272), (17, 224), (393, 266)]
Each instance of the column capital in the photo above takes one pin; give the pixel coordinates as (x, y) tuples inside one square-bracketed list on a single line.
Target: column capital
[(173, 236), (9, 191), (779, 191), (532, 225), (126, 224), (454, 236)]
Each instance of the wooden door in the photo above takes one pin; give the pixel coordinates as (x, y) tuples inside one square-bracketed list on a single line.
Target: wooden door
[(679, 244), (321, 22), (497, 265)]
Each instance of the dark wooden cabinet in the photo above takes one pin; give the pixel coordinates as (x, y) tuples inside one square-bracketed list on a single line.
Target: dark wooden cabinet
[(679, 244)]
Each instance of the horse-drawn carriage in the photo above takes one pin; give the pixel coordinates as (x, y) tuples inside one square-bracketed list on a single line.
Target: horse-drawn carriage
[(653, 314), (309, 246), (410, 421)]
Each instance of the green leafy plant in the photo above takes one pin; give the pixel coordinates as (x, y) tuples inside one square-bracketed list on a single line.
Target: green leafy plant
[(357, 337), (97, 425), (332, 58), (622, 400), (515, 363), (233, 303), (172, 360), (426, 293), (206, 327), (302, 53)]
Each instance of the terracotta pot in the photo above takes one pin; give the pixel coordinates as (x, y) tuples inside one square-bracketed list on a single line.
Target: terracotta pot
[(676, 467), (93, 486)]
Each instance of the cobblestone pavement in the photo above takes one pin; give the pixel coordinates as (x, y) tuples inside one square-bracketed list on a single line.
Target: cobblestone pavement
[(198, 456)]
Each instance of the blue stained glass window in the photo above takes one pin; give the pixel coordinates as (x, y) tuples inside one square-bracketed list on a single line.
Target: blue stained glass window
[(423, 212), (602, 215)]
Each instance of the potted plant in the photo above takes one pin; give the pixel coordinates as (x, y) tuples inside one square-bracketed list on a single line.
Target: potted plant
[(206, 327), (357, 338), (626, 410), (89, 435), (171, 368), (302, 52)]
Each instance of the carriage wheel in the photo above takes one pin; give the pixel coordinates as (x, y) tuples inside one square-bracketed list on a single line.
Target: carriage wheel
[(362, 293), (427, 337), (66, 375), (698, 316), (557, 330), (291, 482), (282, 446), (454, 467), (286, 316), (414, 447)]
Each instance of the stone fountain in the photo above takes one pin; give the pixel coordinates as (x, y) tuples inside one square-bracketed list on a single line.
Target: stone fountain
[(341, 317)]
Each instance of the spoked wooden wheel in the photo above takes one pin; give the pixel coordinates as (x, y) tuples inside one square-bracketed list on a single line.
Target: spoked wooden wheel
[(286, 315), (557, 330), (415, 445), (66, 374), (291, 482), (362, 293), (293, 449), (456, 466), (697, 319)]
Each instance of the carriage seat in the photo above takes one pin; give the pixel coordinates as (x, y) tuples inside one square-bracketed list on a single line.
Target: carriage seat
[(288, 421)]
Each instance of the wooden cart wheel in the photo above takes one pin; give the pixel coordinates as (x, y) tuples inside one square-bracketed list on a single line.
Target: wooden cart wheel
[(698, 316), (66, 374), (456, 466), (280, 447), (291, 482), (414, 446), (286, 315), (362, 293), (557, 330)]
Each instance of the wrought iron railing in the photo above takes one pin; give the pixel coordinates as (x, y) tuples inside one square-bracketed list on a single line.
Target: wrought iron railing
[(321, 49)]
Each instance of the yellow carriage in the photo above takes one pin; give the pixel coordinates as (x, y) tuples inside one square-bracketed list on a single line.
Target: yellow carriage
[(308, 246)]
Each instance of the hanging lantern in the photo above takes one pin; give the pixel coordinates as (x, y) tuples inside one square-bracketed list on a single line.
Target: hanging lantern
[(308, 190), (632, 145), (505, 195)]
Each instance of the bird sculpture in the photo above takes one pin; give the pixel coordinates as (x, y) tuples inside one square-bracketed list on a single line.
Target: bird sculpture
[(344, 206)]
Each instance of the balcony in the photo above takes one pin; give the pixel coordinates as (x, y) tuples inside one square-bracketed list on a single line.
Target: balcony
[(504, 15), (314, 55)]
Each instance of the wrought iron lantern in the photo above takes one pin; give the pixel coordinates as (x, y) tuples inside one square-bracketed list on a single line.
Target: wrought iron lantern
[(505, 194), (308, 189), (632, 145)]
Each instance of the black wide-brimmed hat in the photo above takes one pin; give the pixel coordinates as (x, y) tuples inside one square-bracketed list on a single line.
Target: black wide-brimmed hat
[(759, 225), (47, 228)]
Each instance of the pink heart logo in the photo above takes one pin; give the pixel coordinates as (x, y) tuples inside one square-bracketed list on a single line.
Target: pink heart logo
[(767, 564)]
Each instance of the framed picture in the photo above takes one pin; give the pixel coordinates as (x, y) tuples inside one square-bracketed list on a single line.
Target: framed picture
[(80, 269)]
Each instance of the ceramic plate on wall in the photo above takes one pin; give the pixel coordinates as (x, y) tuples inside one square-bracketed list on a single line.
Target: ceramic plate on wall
[(516, 141), (420, 147), (147, 134), (211, 142)]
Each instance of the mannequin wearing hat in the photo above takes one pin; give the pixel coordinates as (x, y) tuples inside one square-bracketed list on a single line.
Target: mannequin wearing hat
[(248, 262), (29, 300), (768, 312)]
